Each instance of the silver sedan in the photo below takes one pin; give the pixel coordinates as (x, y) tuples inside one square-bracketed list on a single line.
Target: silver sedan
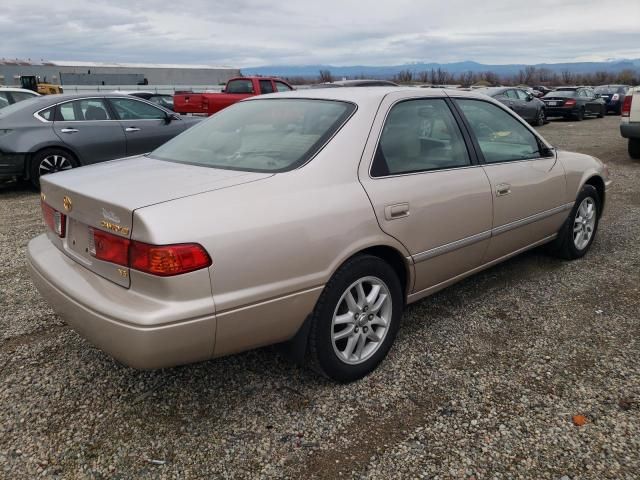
[(58, 132)]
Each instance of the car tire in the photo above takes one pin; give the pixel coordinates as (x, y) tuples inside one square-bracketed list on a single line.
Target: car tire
[(349, 317), (579, 230), (50, 160), (603, 112), (634, 148), (580, 115), (541, 118)]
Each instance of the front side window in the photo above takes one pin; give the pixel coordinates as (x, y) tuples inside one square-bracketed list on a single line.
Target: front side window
[(522, 95), (128, 109), (501, 137), (239, 86), (83, 110), (282, 87), (274, 135), (419, 135)]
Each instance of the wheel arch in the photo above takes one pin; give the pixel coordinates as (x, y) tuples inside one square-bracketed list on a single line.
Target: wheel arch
[(597, 182), (295, 348), (41, 148)]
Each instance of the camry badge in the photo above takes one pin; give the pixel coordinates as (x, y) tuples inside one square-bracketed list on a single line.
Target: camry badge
[(66, 203)]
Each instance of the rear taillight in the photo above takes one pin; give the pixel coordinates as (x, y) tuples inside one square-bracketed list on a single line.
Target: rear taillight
[(54, 219), (109, 248), (167, 260), (161, 260), (570, 102), (626, 106)]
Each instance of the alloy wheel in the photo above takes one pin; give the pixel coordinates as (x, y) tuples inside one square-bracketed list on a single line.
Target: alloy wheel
[(54, 163), (584, 223), (361, 320)]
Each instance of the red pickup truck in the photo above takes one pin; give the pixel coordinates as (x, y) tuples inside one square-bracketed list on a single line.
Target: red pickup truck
[(236, 89)]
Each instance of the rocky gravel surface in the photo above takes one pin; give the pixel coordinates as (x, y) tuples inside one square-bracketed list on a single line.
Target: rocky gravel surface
[(528, 370)]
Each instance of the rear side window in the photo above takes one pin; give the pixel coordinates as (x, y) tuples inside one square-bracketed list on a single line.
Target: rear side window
[(240, 86), (4, 100), (47, 114), (501, 137), (129, 109), (83, 110), (512, 94), (265, 86), (282, 87), (418, 136)]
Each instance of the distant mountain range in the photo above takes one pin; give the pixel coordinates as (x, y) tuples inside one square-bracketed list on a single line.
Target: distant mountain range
[(456, 68)]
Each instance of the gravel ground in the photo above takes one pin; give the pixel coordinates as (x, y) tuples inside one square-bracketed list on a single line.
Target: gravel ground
[(483, 381)]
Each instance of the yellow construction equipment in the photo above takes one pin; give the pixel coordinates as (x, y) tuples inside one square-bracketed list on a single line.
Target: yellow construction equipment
[(31, 82)]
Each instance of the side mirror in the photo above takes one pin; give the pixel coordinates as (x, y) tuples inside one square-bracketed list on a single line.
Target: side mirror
[(170, 117), (547, 152), (529, 97)]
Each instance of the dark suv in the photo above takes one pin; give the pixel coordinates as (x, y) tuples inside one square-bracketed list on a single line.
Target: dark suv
[(613, 96), (574, 102)]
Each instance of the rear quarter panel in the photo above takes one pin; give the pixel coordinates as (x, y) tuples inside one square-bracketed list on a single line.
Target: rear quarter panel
[(273, 238)]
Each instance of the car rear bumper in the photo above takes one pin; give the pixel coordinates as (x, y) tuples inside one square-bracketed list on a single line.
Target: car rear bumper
[(560, 111), (630, 130), (614, 106), (12, 165), (91, 306)]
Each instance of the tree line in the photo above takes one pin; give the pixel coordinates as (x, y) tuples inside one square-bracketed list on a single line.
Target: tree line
[(531, 76)]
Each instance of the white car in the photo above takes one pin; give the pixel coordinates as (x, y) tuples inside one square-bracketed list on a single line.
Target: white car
[(630, 121), (9, 95)]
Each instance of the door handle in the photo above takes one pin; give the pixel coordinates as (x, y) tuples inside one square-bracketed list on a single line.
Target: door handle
[(69, 130), (132, 129), (503, 189), (397, 210)]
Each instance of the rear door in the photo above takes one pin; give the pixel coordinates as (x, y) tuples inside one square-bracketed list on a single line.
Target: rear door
[(425, 187), (87, 126), (528, 189), (145, 126)]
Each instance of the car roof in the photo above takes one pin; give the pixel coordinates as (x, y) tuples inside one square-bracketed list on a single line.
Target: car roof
[(364, 95)]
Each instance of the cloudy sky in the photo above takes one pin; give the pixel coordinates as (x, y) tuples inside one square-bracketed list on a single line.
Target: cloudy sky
[(339, 32)]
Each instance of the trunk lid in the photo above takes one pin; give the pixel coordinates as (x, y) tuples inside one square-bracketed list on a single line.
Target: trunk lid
[(105, 196)]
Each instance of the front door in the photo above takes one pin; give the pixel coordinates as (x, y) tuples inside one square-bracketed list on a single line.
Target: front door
[(146, 127), (528, 188), (88, 128), (426, 188)]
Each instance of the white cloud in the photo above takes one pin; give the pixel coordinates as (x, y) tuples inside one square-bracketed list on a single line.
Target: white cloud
[(248, 32)]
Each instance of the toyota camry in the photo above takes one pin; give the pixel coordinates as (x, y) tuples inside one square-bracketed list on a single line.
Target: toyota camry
[(309, 218)]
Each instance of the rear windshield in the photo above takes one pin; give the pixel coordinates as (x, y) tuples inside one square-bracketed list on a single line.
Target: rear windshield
[(273, 135), (609, 90), (562, 93)]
